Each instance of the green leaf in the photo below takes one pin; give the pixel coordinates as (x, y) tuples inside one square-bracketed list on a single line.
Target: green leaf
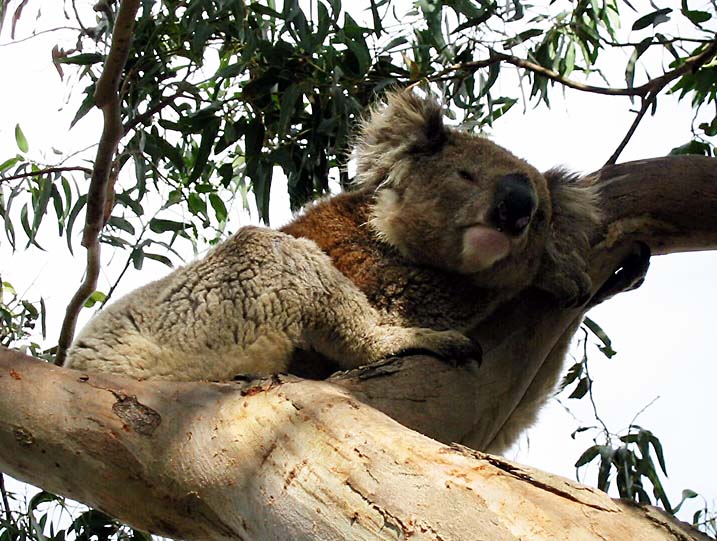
[(220, 210), (288, 102), (197, 205), (640, 48), (86, 104), (693, 147), (121, 223), (20, 139), (606, 348), (695, 16), (93, 299), (687, 494), (522, 37), (158, 225), (581, 388), (656, 17), (588, 456), (7, 164), (82, 59), (377, 27), (161, 258)]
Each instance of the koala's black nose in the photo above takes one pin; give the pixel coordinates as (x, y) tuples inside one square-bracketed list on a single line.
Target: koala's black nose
[(514, 204)]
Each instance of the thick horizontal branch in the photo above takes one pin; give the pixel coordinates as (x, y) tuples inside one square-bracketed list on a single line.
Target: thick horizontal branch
[(279, 459)]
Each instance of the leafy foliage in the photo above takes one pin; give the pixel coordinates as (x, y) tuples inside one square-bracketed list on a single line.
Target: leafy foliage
[(37, 522), (18, 319), (633, 460)]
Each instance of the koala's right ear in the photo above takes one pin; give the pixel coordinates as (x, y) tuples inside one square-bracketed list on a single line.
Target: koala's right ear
[(400, 127)]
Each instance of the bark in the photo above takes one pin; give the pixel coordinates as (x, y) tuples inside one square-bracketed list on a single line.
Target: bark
[(280, 459), (296, 459)]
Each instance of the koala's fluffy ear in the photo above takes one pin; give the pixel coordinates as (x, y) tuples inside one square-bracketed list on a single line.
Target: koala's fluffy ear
[(400, 127)]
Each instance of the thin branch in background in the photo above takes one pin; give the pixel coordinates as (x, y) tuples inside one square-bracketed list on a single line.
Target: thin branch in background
[(643, 410), (590, 387), (5, 500), (690, 64), (151, 111), (107, 99), (47, 171), (646, 104), (36, 34)]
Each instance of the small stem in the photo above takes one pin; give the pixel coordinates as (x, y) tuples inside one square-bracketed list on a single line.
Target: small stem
[(5, 500), (47, 171), (646, 104)]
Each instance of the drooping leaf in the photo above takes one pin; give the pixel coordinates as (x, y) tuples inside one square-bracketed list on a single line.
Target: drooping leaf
[(20, 139)]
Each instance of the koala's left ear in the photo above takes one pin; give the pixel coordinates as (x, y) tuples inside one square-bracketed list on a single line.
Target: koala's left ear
[(403, 125)]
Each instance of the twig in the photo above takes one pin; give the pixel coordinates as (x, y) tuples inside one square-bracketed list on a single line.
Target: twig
[(646, 104), (5, 501), (36, 34), (107, 99), (46, 171), (151, 111), (606, 431)]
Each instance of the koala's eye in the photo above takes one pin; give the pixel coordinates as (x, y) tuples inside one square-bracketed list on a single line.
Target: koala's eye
[(465, 175)]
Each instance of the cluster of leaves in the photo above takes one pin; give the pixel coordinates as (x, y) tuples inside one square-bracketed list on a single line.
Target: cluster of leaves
[(33, 520), (630, 459), (217, 95), (18, 319)]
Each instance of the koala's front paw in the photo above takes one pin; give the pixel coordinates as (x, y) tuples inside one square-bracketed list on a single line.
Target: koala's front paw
[(450, 346), (566, 278), (575, 290)]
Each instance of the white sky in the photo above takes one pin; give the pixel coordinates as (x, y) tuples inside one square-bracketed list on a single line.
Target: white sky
[(661, 331)]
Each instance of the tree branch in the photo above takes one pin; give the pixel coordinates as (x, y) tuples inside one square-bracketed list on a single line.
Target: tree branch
[(46, 171), (107, 99), (280, 459), (149, 113), (647, 102), (292, 459), (691, 63)]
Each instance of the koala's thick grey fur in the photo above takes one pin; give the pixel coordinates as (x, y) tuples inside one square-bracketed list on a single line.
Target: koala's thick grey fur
[(243, 309)]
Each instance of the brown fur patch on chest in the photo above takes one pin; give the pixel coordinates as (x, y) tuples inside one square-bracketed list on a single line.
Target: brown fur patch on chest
[(405, 292)]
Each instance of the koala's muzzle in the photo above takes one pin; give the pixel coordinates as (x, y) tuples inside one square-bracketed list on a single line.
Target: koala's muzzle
[(514, 203)]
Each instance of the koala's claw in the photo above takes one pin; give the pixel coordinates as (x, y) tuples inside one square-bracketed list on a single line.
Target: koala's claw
[(451, 347)]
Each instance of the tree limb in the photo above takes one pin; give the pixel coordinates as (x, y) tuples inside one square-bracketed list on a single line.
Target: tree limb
[(280, 459), (107, 99)]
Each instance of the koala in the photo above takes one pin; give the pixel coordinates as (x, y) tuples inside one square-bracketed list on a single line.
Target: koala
[(441, 227), (243, 309), (444, 225)]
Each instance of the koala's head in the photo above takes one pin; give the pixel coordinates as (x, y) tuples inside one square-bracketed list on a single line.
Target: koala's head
[(451, 199)]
